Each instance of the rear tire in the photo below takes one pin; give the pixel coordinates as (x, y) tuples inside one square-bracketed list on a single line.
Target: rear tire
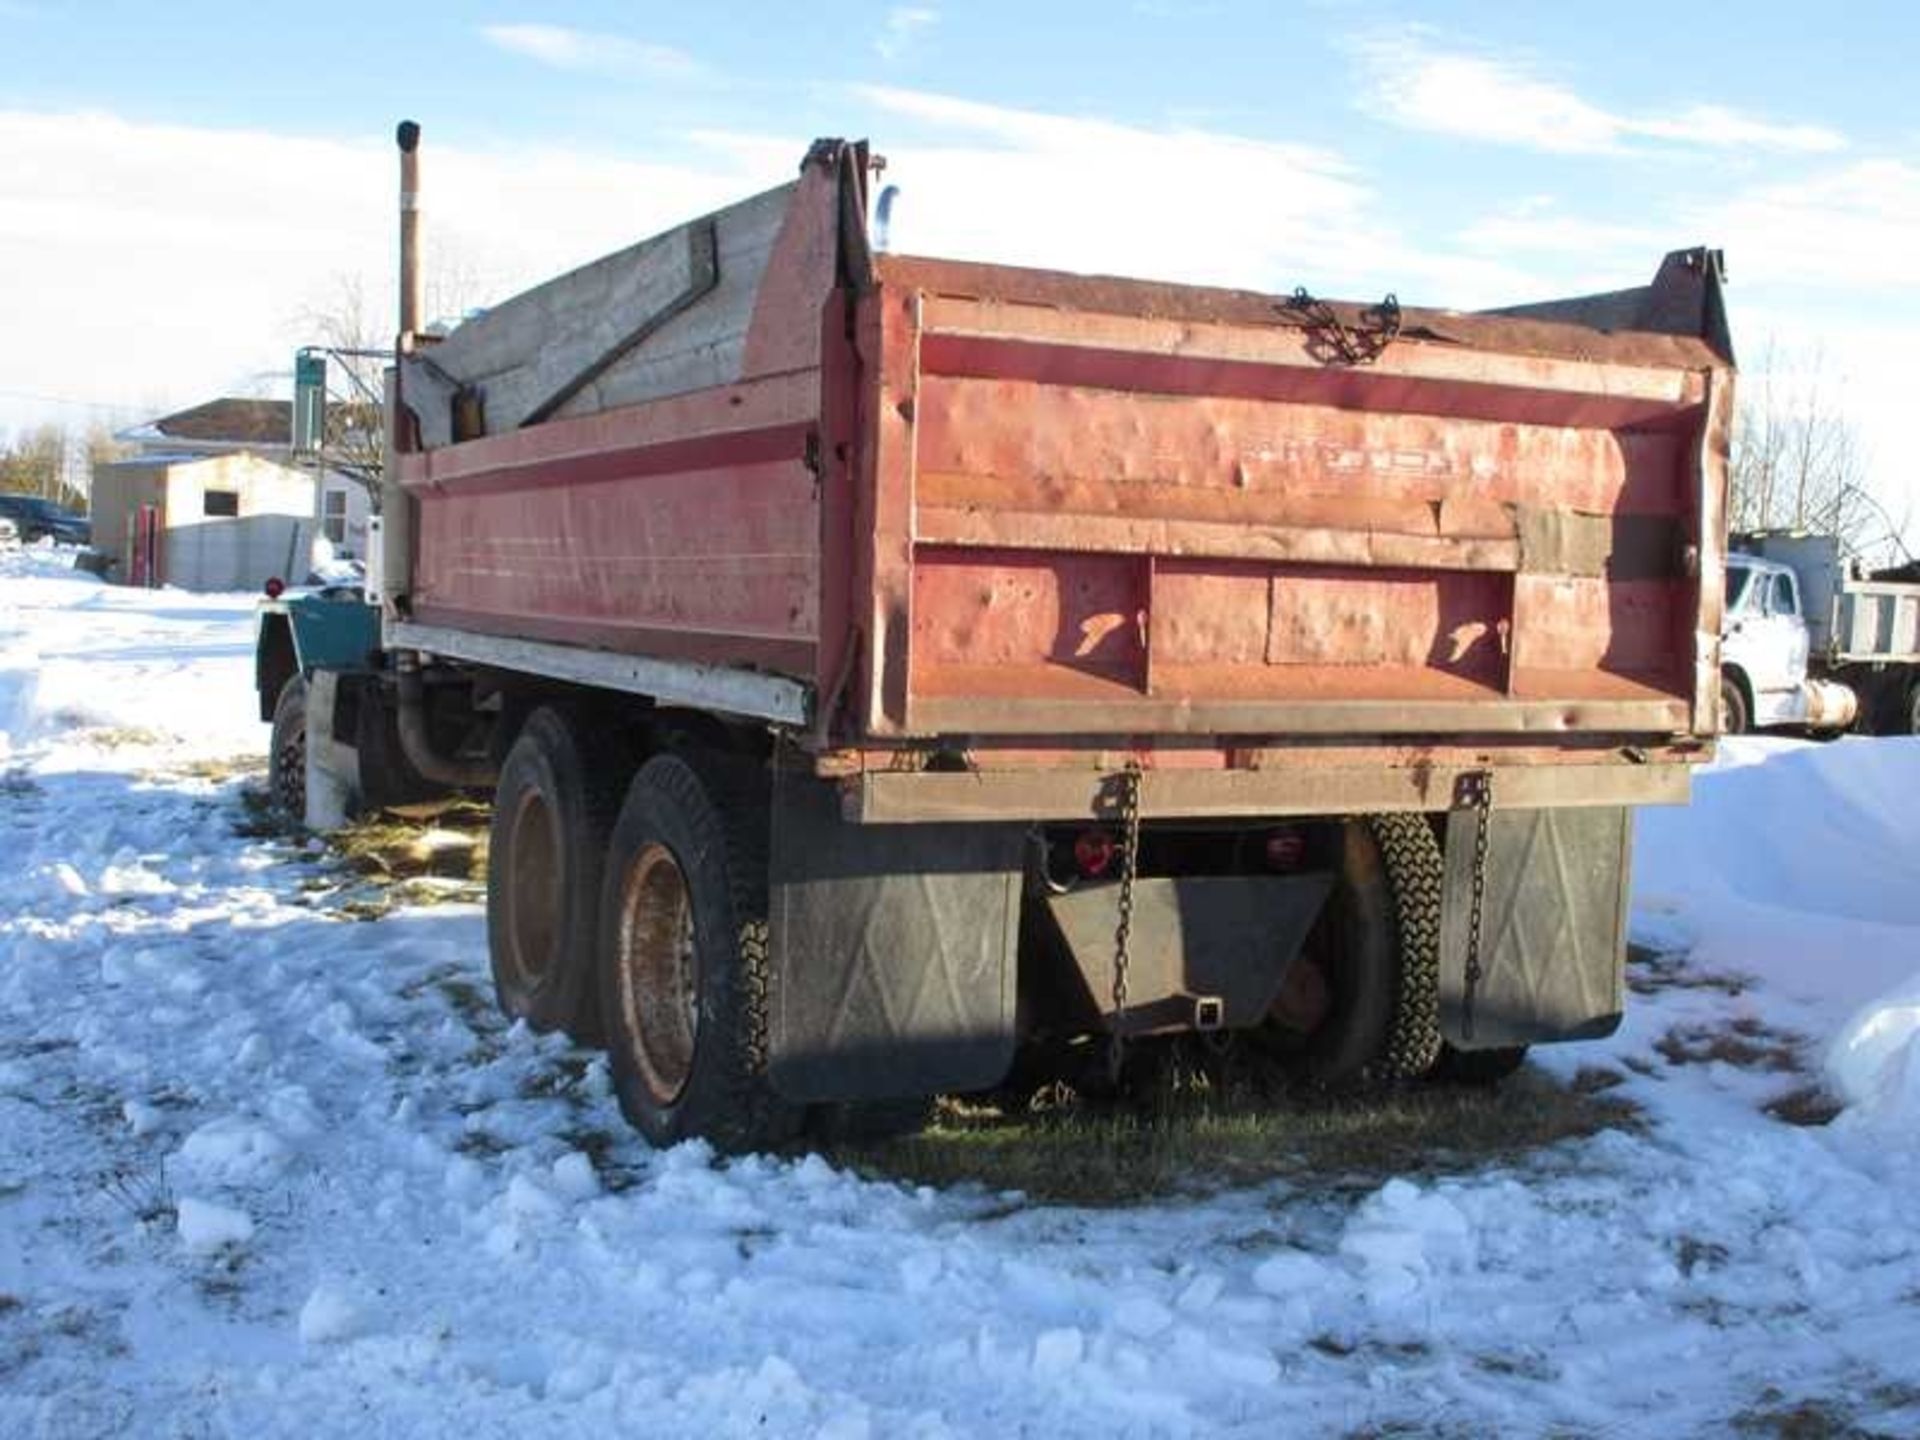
[(1377, 949), (552, 811), (684, 964), (1736, 716), (287, 753)]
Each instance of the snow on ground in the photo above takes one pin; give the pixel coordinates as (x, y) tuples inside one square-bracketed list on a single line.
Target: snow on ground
[(264, 1171)]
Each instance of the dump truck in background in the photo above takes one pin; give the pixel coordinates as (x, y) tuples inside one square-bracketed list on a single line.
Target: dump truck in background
[(1814, 640), (893, 675)]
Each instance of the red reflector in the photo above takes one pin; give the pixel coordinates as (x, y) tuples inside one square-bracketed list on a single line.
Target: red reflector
[(1093, 852), (274, 587), (1286, 849)]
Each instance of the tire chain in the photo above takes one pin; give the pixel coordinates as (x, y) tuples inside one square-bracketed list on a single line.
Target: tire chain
[(1415, 876)]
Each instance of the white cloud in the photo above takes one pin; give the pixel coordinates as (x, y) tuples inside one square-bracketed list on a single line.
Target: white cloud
[(592, 51), (1500, 99), (986, 182), (154, 265), (904, 25)]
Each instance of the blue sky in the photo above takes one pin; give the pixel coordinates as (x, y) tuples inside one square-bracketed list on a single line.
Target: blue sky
[(179, 183)]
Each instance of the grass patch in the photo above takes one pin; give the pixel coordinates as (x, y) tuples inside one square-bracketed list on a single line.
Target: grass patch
[(235, 767), (413, 856), (1748, 1043), (446, 841), (143, 1194), (1198, 1138), (118, 737)]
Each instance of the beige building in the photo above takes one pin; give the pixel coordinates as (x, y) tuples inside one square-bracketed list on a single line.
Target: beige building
[(226, 504), (218, 522)]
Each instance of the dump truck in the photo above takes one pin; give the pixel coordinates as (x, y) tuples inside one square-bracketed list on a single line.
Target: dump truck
[(896, 676), (1814, 639)]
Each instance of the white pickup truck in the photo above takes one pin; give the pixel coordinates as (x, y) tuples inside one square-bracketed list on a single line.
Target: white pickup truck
[(1808, 641)]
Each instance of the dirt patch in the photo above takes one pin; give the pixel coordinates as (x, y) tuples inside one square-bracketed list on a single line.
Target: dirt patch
[(1806, 1105), (1779, 1418), (1651, 971), (1748, 1043)]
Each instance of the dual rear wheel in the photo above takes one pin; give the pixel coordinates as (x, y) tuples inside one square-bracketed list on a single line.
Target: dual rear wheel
[(633, 913)]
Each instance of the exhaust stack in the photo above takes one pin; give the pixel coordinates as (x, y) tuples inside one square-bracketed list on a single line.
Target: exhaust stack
[(408, 136), (393, 573)]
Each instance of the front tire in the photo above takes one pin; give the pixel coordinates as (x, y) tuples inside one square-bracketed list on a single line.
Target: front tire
[(1736, 716), (685, 969), (287, 753), (552, 810)]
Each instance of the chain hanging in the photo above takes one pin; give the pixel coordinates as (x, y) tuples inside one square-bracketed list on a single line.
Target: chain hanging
[(1480, 796), (1123, 931)]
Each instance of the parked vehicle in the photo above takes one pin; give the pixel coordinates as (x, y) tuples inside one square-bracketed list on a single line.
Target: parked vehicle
[(1811, 639), (37, 518), (894, 674)]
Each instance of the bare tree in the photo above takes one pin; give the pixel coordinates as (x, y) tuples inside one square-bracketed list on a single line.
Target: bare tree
[(1797, 462), (355, 336), (56, 462), (342, 329)]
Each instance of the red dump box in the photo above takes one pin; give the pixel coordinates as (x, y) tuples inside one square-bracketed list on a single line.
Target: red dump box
[(1012, 510), (1025, 550)]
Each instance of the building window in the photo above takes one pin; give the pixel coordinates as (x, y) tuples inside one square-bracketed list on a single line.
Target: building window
[(333, 516), (220, 502)]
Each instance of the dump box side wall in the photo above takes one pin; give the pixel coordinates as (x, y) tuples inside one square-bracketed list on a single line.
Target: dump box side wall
[(669, 504)]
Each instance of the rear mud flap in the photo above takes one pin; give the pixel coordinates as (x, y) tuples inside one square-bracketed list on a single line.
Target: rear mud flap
[(1553, 927), (894, 952)]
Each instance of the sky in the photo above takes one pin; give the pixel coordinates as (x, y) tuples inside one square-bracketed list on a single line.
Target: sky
[(184, 187)]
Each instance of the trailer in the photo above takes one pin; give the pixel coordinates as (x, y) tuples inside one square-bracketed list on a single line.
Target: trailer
[(899, 676), (1823, 626)]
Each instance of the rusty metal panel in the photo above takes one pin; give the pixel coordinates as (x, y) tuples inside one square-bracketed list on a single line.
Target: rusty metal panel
[(982, 607), (1553, 927), (1209, 456), (717, 560), (894, 952), (1565, 624)]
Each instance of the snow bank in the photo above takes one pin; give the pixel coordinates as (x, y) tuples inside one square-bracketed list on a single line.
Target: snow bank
[(1798, 865)]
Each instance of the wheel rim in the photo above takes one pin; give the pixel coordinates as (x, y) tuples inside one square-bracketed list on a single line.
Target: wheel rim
[(659, 969), (290, 775), (533, 889)]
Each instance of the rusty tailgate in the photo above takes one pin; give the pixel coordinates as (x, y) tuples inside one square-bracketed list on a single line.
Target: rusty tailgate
[(1102, 507)]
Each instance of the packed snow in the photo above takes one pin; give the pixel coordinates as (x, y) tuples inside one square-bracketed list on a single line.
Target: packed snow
[(267, 1171)]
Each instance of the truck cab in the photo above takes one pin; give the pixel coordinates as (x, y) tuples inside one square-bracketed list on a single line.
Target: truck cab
[(1764, 650)]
